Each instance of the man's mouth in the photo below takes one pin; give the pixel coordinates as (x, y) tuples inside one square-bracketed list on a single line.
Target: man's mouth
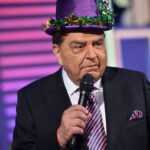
[(91, 66)]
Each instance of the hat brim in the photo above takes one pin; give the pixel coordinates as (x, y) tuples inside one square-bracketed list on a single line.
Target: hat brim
[(91, 28)]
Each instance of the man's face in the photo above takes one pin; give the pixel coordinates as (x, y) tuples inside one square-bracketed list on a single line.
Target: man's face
[(82, 53)]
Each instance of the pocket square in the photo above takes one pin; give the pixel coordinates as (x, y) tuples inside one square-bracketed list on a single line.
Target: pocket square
[(136, 114)]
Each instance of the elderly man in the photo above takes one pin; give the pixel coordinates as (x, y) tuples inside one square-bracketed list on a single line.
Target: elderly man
[(117, 117)]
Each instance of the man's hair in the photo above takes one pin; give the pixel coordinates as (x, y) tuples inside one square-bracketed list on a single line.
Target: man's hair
[(57, 38)]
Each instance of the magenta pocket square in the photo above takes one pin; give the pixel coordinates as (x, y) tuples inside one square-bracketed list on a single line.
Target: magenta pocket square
[(136, 114)]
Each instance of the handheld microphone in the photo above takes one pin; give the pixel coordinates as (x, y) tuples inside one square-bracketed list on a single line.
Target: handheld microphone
[(86, 87)]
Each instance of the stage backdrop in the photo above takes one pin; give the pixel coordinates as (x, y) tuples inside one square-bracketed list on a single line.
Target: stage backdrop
[(25, 53)]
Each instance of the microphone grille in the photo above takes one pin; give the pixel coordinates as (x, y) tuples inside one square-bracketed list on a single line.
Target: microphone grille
[(86, 83)]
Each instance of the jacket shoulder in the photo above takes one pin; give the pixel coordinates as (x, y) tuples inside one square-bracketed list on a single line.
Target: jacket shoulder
[(42, 83), (123, 74)]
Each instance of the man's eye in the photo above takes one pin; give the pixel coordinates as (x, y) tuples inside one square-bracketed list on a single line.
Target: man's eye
[(78, 46), (98, 44)]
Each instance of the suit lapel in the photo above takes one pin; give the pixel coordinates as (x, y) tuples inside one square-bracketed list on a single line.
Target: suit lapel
[(113, 95)]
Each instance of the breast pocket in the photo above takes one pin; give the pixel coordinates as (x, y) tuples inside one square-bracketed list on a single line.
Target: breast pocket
[(137, 122)]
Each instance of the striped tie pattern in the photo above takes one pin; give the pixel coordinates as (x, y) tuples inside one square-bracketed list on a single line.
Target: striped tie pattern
[(94, 132)]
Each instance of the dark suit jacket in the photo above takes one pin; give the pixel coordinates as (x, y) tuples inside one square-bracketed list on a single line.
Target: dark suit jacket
[(41, 104)]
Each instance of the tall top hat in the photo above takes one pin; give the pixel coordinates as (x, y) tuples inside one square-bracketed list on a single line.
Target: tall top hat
[(80, 15)]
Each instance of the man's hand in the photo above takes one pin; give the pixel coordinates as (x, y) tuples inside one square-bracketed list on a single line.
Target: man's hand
[(73, 121)]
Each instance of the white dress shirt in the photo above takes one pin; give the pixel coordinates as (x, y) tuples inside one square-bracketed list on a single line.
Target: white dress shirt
[(74, 96)]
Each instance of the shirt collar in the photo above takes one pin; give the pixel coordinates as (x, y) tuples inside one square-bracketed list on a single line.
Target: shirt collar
[(70, 86), (97, 84)]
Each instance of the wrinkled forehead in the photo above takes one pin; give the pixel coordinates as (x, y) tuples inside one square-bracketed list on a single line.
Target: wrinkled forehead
[(59, 37)]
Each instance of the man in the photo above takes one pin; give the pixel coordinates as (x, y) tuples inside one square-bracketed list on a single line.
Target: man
[(47, 112)]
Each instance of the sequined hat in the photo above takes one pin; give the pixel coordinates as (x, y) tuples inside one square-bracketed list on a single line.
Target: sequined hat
[(80, 15)]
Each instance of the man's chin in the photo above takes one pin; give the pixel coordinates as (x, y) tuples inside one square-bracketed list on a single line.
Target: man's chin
[(96, 72), (93, 69), (96, 75)]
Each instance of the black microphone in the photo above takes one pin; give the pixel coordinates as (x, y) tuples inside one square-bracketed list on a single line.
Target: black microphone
[(86, 87)]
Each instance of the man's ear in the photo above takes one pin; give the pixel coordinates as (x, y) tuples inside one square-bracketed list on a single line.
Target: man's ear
[(57, 53)]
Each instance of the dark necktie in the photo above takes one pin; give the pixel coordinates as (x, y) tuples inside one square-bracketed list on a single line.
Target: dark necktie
[(94, 131)]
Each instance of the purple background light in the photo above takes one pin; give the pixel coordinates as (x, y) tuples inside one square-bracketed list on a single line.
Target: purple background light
[(26, 55)]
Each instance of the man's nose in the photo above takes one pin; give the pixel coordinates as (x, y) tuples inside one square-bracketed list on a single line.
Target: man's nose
[(91, 54)]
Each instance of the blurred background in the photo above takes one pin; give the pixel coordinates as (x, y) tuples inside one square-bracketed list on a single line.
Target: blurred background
[(25, 50)]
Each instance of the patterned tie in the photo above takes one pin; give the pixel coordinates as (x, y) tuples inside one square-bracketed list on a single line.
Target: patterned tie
[(94, 131)]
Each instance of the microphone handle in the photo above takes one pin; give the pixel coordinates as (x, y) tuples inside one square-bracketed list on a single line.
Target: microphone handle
[(73, 142), (82, 101)]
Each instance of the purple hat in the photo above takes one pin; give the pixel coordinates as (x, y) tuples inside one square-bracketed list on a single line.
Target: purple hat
[(80, 15)]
